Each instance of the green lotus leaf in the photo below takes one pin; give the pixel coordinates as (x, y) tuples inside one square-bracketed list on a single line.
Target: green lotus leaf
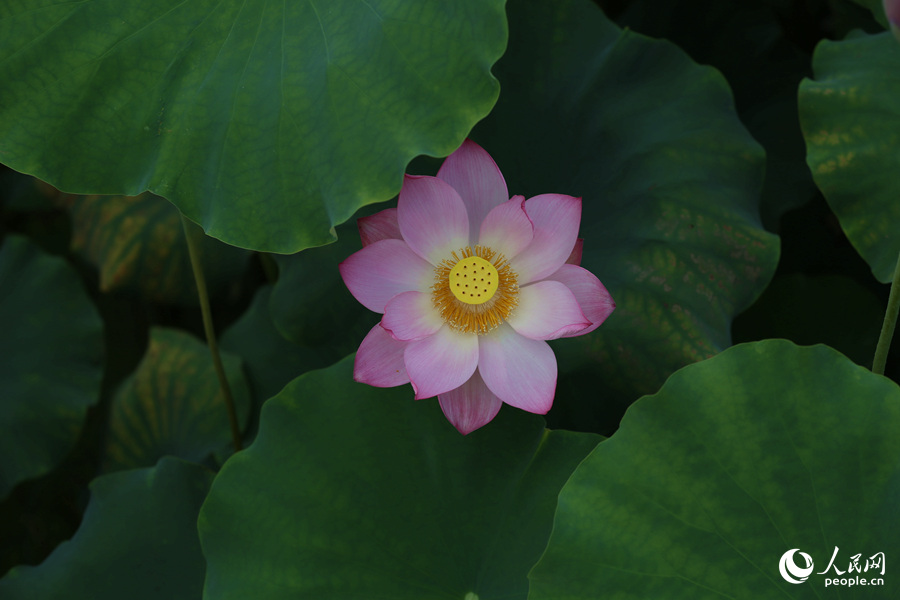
[(173, 405), (138, 540), (51, 347), (267, 124), (137, 243), (669, 177), (351, 491), (849, 115), (766, 448)]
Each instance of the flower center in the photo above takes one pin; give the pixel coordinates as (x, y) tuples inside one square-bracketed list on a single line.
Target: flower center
[(475, 289), (474, 280)]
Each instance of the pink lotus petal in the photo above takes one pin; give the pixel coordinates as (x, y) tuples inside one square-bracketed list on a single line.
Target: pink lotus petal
[(575, 257), (379, 360), (380, 226), (547, 310), (432, 218), (411, 316), (595, 301), (507, 228), (556, 218), (475, 176), (382, 270), (471, 405), (441, 362), (521, 371)]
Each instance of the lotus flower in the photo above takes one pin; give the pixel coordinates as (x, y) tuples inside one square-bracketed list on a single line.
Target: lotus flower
[(471, 284)]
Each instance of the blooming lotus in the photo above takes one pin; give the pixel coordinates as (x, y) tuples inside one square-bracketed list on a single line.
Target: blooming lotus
[(471, 283)]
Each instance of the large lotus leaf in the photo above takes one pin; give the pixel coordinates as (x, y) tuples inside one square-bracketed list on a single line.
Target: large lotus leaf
[(137, 243), (849, 116), (51, 344), (669, 177), (173, 404), (266, 123), (351, 491), (765, 448), (138, 540)]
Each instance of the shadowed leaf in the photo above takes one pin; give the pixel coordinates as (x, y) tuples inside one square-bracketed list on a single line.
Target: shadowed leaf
[(311, 305), (271, 360), (51, 345), (670, 181), (173, 404), (138, 540), (137, 243), (849, 116), (876, 7)]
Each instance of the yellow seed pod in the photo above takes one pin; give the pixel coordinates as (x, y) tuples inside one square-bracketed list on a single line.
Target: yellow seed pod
[(474, 280)]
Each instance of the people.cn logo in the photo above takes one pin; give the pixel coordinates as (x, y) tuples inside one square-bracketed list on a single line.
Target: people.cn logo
[(789, 569)]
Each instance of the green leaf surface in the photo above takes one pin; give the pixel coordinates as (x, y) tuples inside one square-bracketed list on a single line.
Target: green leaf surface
[(138, 540), (351, 491), (765, 448), (51, 344), (850, 117), (173, 405), (137, 244), (266, 123), (669, 177)]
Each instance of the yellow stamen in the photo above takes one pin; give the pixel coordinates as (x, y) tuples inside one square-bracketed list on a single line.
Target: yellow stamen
[(474, 280), (491, 294)]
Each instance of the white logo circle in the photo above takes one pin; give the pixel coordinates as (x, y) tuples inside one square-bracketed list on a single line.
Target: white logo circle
[(789, 569)]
